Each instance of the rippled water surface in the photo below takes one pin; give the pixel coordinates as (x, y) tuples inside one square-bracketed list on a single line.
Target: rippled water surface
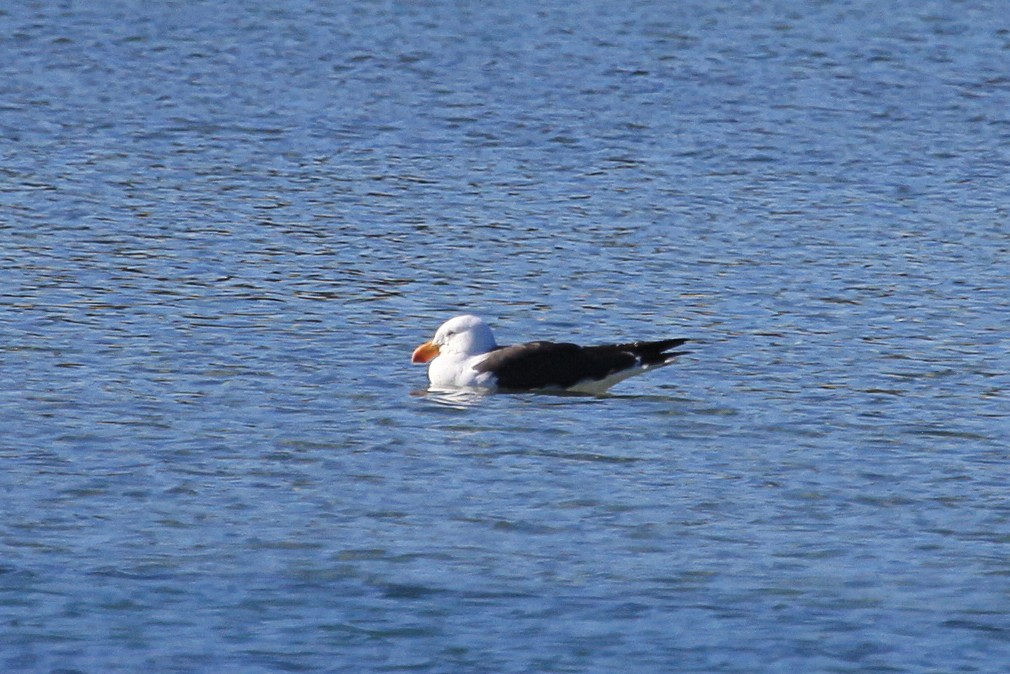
[(225, 226)]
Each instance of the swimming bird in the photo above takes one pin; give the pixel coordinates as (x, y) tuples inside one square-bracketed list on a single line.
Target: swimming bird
[(463, 353)]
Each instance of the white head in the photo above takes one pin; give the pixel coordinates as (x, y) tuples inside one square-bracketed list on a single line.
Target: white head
[(461, 336)]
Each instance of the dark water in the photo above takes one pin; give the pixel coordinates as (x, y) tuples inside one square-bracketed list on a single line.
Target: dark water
[(224, 227)]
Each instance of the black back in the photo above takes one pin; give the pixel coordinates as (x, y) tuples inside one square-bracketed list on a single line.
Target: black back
[(551, 364)]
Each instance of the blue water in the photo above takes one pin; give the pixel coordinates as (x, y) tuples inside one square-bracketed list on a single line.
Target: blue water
[(225, 226)]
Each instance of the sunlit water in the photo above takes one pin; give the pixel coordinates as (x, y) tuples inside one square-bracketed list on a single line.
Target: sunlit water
[(225, 226)]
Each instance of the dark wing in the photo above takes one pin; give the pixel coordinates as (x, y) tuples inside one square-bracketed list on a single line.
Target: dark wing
[(551, 365), (561, 365), (648, 353)]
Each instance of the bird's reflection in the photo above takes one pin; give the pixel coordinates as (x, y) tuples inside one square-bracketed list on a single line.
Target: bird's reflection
[(458, 398)]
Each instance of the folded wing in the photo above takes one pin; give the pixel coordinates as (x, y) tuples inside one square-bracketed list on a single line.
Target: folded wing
[(562, 365)]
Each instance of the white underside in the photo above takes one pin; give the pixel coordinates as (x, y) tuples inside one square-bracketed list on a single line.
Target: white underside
[(455, 371), (599, 386), (448, 371)]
